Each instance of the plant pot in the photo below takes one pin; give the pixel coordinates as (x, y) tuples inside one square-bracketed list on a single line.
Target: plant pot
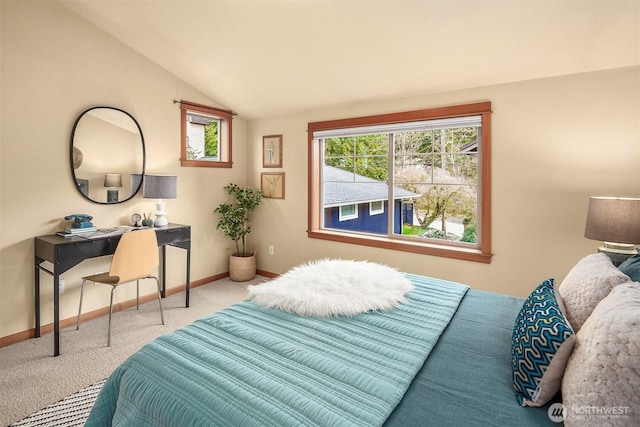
[(242, 268)]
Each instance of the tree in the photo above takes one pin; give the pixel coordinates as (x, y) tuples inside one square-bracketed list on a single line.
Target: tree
[(411, 147), (441, 194), (365, 155), (434, 202), (211, 138), (192, 153)]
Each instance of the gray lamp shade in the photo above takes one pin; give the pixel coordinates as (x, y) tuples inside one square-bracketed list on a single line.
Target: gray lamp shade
[(615, 220), (113, 180), (160, 187)]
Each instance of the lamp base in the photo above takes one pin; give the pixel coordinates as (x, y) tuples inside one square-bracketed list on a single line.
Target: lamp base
[(618, 252), (161, 221), (161, 215), (112, 195), (619, 247)]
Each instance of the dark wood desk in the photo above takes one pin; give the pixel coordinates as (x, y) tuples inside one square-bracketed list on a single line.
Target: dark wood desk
[(67, 252)]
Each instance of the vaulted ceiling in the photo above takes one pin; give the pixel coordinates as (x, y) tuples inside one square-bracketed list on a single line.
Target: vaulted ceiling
[(265, 58)]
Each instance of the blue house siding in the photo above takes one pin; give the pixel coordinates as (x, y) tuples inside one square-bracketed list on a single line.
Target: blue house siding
[(366, 223)]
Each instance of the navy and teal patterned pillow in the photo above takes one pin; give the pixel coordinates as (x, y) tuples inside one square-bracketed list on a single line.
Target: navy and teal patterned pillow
[(541, 344)]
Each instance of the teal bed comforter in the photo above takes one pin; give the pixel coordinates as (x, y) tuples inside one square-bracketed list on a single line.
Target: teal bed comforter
[(250, 365), (467, 380)]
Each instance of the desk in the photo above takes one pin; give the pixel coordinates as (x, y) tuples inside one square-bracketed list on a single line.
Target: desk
[(67, 252)]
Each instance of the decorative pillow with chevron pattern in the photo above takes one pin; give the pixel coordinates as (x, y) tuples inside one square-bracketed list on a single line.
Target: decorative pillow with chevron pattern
[(541, 344)]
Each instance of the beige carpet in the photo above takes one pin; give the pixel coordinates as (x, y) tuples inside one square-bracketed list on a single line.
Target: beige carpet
[(31, 378)]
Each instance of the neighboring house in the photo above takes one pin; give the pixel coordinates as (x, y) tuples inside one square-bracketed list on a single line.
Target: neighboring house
[(358, 203)]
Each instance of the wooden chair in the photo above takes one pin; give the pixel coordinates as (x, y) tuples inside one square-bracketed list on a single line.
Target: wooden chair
[(135, 258)]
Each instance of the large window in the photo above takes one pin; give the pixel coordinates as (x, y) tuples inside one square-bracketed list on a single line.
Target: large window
[(205, 136), (417, 181)]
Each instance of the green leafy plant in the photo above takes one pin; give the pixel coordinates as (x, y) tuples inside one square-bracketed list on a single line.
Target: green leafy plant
[(234, 217), (469, 231)]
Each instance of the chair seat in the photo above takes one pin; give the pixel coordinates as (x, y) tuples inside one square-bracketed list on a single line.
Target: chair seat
[(103, 278)]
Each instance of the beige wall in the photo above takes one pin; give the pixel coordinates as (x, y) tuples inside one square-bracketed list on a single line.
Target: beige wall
[(54, 66), (555, 142)]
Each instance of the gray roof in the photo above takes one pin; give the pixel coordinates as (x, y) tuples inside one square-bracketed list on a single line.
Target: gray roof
[(470, 147), (345, 188)]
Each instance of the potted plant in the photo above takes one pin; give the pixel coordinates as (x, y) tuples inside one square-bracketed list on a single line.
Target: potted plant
[(234, 222)]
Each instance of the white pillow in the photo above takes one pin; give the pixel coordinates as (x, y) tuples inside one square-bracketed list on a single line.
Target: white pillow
[(601, 384), (333, 287), (588, 282)]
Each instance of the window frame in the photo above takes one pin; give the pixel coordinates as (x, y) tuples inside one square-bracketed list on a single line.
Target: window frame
[(347, 217), (225, 136), (373, 211), (445, 249)]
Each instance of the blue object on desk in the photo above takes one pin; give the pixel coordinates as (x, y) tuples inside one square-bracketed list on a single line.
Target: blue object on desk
[(85, 224), (80, 220)]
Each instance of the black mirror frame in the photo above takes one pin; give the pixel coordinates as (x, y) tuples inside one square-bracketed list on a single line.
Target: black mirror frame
[(73, 171)]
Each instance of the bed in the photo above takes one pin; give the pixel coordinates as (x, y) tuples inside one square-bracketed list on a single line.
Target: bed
[(441, 357)]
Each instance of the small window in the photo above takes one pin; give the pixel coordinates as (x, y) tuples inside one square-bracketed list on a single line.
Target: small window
[(205, 136), (348, 212), (376, 208)]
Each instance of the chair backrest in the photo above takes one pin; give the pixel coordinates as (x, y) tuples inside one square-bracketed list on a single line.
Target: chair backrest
[(136, 255)]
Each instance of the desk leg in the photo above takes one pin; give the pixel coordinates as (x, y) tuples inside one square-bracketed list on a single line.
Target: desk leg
[(163, 271), (37, 296), (56, 314), (188, 284)]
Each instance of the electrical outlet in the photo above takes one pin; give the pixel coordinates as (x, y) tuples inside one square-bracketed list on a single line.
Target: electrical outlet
[(270, 249), (61, 286)]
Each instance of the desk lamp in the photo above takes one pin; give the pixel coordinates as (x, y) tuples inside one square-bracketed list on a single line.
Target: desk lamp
[(112, 181), (160, 187), (616, 222)]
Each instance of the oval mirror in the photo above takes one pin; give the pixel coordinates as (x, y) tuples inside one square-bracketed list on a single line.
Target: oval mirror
[(107, 155)]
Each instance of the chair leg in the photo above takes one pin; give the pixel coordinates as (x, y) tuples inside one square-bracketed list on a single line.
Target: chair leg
[(160, 300), (80, 306), (110, 312), (137, 294)]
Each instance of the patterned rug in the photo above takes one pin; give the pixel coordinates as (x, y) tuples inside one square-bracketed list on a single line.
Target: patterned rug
[(73, 410)]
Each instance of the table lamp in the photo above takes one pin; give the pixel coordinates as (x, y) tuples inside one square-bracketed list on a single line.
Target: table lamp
[(112, 181), (616, 222), (160, 187)]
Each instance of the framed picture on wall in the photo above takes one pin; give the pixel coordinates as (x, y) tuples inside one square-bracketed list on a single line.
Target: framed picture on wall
[(272, 151), (272, 184)]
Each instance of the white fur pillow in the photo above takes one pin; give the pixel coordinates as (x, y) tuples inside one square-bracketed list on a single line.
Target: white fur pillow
[(333, 287), (588, 282), (601, 384)]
